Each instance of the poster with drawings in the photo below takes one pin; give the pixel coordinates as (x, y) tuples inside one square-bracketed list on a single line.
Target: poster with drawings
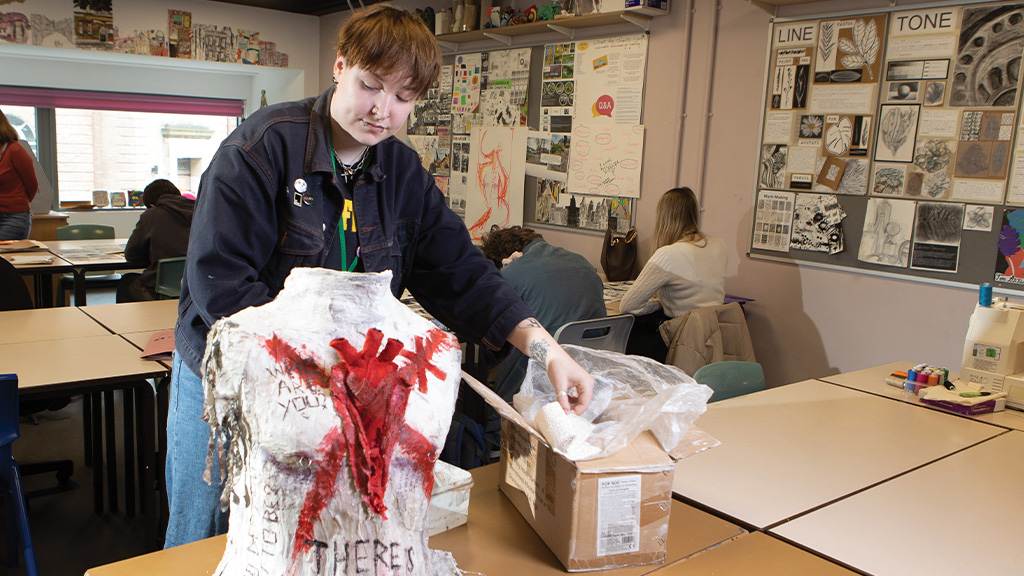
[(557, 87), (505, 82), (1009, 266), (497, 173), (547, 155), (888, 228), (465, 91), (458, 181), (949, 66), (556, 207), (605, 160), (818, 224), (937, 232), (773, 220)]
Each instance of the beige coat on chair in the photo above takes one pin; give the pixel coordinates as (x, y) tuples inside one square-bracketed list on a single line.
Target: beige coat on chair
[(706, 335)]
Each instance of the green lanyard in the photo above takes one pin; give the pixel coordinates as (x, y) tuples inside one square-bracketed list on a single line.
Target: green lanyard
[(341, 222)]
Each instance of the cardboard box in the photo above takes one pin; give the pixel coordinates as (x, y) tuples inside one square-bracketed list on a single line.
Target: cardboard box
[(449, 500), (648, 7), (609, 512)]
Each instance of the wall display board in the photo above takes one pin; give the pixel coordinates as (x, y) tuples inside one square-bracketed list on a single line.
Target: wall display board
[(891, 143), (566, 158)]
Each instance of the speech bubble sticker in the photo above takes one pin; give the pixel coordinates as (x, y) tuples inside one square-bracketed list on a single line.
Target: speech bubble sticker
[(603, 106)]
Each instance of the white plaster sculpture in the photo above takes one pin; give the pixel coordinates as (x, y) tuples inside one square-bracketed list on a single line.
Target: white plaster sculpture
[(338, 400)]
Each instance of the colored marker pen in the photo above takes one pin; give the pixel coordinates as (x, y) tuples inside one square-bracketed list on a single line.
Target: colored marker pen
[(974, 394)]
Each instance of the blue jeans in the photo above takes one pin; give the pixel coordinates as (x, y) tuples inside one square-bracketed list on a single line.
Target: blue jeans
[(194, 505), (15, 225)]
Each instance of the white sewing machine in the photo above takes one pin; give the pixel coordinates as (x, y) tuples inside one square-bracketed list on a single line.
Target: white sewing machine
[(994, 351)]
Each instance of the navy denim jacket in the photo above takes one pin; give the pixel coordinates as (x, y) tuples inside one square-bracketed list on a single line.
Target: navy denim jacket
[(269, 202)]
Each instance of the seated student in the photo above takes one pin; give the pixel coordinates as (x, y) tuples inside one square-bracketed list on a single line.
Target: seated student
[(162, 232), (686, 271), (560, 286)]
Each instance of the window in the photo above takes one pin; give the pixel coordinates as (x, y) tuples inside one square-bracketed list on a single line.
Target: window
[(118, 151), (118, 142), (23, 118)]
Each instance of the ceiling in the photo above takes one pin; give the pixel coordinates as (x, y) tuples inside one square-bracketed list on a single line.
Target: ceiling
[(312, 7)]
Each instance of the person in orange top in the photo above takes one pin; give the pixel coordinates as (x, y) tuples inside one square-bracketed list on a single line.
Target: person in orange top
[(18, 184)]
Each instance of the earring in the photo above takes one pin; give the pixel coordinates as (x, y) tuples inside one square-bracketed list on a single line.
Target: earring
[(335, 78)]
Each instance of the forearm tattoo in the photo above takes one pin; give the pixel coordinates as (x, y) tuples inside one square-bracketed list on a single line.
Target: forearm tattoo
[(530, 323), (539, 351)]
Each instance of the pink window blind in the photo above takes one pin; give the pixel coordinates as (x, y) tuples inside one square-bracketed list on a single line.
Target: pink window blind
[(54, 98)]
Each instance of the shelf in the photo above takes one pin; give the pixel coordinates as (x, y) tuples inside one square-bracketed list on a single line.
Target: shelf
[(565, 26)]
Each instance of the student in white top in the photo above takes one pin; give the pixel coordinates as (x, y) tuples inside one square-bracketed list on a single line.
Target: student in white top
[(686, 271)]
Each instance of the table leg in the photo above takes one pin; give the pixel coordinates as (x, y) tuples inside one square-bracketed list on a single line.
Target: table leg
[(128, 409), (97, 460), (87, 421), (147, 439), (111, 434), (79, 288)]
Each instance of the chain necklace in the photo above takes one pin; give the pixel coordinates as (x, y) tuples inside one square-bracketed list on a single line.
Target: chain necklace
[(346, 171)]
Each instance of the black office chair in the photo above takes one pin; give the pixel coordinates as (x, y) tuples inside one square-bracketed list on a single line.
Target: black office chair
[(610, 333), (92, 280), (14, 295)]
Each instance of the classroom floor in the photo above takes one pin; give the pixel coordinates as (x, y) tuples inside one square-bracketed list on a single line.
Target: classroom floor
[(69, 537)]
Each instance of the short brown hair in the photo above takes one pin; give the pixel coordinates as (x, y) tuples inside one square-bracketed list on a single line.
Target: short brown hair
[(501, 243), (677, 216), (7, 132), (385, 40)]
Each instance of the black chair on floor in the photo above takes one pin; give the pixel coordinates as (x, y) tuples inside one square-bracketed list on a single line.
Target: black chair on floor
[(14, 295), (92, 280)]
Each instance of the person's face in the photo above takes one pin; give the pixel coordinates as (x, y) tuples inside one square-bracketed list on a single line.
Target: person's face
[(368, 107)]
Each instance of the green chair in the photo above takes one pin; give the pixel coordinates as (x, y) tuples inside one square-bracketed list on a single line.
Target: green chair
[(731, 378), (168, 277), (85, 232)]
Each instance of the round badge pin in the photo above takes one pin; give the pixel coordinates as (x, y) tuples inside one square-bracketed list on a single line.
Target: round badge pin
[(307, 199), (300, 185)]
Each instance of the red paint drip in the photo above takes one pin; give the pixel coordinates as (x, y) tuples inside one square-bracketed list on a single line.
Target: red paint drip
[(326, 476), (370, 395)]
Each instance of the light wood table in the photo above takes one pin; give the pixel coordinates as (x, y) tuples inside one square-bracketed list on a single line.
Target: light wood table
[(754, 553), (41, 275), (22, 326), (495, 541), (960, 515), (87, 365), (93, 255), (872, 380), (787, 450), (129, 317)]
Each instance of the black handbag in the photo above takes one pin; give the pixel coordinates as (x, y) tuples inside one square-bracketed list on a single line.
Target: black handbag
[(618, 256)]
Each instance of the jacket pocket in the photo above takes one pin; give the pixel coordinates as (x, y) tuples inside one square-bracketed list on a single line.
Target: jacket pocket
[(299, 246)]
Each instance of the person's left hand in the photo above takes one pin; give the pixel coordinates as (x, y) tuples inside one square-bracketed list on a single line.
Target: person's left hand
[(574, 386)]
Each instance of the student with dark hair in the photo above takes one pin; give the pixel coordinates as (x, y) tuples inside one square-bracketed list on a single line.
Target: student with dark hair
[(322, 182), (161, 232)]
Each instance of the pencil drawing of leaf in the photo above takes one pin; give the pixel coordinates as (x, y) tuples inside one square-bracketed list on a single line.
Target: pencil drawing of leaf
[(863, 49), (826, 40), (895, 127), (838, 137), (866, 36), (853, 61)]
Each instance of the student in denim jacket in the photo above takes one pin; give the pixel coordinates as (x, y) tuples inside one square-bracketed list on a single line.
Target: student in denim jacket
[(323, 182)]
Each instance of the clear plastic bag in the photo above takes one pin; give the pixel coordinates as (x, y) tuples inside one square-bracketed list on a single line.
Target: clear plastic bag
[(631, 394)]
